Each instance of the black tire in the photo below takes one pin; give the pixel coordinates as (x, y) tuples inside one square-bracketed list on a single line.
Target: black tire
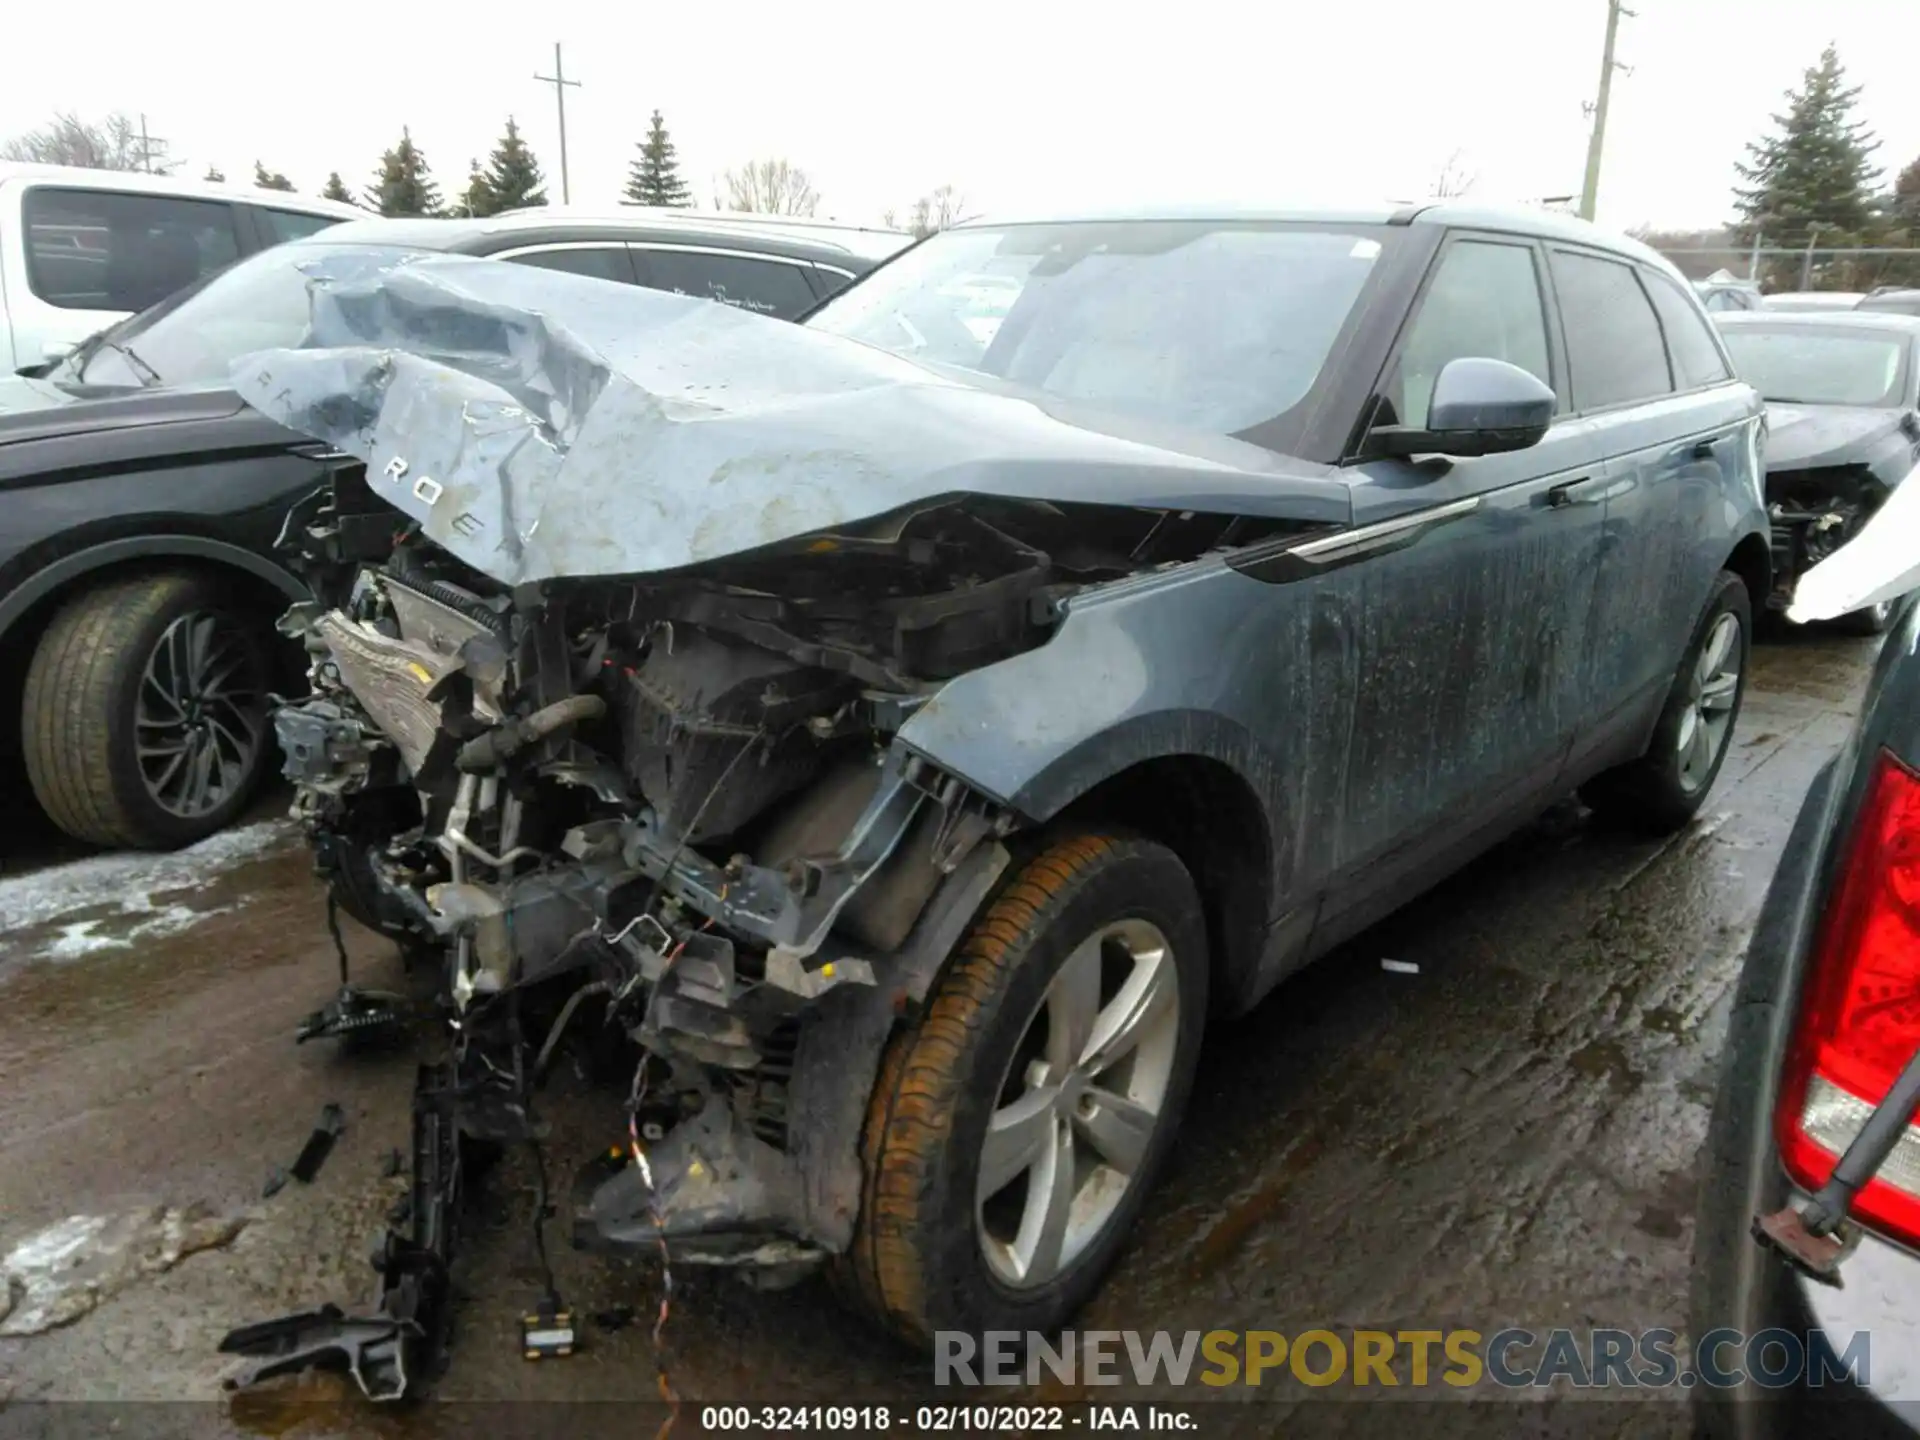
[(917, 1263), (82, 702), (1654, 794), (1870, 620)]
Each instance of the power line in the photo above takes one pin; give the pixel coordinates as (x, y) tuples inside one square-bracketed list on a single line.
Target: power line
[(1596, 142), (560, 82)]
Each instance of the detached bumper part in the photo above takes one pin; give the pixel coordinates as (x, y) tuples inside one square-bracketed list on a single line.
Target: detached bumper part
[(372, 1349)]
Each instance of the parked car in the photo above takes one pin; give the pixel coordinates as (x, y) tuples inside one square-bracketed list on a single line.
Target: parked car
[(1892, 300), (80, 249), (912, 735), (1718, 295), (1804, 300), (1843, 428), (1822, 1022), (138, 582)]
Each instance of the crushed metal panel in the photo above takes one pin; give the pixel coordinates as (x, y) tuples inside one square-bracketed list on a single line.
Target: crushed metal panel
[(542, 425)]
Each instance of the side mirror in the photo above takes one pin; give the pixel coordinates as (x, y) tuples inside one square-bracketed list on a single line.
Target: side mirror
[(1479, 407)]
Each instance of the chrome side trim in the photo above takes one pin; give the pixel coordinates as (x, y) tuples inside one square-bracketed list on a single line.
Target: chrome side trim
[(1335, 545)]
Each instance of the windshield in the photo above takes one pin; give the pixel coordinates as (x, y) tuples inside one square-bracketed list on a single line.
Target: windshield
[(1801, 366), (1219, 326), (194, 337)]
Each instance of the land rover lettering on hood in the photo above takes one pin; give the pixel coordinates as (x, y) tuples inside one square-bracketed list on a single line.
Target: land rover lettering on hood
[(901, 732)]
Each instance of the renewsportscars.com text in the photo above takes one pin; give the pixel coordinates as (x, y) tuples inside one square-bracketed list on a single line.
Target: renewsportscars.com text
[(1513, 1358)]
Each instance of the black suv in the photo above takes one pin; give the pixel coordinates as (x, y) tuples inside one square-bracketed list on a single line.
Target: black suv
[(138, 582)]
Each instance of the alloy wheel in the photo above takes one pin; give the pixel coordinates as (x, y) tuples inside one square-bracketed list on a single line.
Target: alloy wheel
[(1078, 1109), (199, 721), (1708, 717)]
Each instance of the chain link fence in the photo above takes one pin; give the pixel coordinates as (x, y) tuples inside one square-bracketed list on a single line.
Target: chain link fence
[(1854, 268)]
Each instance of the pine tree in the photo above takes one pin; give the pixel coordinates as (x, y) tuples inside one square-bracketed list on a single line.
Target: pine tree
[(513, 175), (215, 176), (654, 179), (1815, 175), (336, 189), (1906, 197), (477, 198), (267, 179), (404, 185)]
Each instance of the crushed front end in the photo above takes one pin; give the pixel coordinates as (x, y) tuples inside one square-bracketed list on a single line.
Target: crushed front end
[(679, 799)]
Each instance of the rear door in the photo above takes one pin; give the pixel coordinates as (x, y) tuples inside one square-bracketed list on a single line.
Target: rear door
[(87, 258), (765, 284), (1470, 637), (1648, 372)]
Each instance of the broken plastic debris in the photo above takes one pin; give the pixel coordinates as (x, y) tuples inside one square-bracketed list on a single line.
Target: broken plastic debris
[(1400, 967), (319, 1144)]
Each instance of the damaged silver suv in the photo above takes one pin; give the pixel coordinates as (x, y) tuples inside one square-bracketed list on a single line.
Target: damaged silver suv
[(905, 729)]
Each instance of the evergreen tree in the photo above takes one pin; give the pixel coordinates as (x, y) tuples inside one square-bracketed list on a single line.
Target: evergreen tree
[(1906, 197), (1814, 175), (269, 179), (336, 189), (513, 176), (477, 198), (215, 176), (654, 179), (404, 185)]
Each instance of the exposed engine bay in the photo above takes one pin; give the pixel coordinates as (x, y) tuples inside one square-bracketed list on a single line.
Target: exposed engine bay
[(1813, 513), (671, 808)]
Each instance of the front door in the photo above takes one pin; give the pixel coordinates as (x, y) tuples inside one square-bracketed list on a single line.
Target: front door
[(1470, 638)]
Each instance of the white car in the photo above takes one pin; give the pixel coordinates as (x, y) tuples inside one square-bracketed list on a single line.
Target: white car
[(80, 249)]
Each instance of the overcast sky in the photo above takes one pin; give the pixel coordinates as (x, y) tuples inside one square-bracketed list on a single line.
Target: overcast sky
[(1020, 106)]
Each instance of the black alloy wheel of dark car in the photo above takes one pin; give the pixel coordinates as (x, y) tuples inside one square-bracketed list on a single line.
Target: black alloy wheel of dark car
[(1014, 1133), (1664, 788), (144, 715)]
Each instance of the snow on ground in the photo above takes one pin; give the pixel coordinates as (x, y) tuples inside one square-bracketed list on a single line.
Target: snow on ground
[(108, 902)]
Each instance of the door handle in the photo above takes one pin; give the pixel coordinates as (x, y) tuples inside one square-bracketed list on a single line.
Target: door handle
[(1705, 448), (1573, 492)]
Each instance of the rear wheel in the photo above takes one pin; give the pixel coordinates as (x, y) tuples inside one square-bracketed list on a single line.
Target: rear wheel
[(1014, 1133), (1664, 788), (144, 716)]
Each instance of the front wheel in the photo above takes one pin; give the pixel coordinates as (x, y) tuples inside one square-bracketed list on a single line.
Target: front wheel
[(144, 717), (1014, 1133), (1662, 790)]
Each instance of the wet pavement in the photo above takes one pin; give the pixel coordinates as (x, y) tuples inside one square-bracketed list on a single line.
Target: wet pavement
[(1507, 1136)]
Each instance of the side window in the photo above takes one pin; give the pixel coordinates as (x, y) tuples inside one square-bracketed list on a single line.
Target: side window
[(285, 225), (1484, 301), (1615, 354), (602, 262), (119, 250), (1690, 347), (768, 287)]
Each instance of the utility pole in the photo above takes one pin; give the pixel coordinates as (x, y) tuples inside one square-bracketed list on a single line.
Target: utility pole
[(147, 144), (560, 82), (1596, 142)]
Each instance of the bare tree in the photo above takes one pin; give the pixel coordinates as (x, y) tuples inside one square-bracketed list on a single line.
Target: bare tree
[(1454, 178), (113, 144), (771, 187), (933, 212)]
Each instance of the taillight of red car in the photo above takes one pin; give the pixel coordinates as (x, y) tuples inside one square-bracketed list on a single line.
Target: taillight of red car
[(1860, 1009)]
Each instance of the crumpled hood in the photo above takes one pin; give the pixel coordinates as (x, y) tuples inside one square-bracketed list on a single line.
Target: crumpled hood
[(542, 425), (1806, 437)]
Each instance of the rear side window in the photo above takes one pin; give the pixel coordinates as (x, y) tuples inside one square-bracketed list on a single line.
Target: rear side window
[(113, 250), (602, 262), (767, 287), (1690, 346), (285, 225), (1483, 301), (1614, 348)]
